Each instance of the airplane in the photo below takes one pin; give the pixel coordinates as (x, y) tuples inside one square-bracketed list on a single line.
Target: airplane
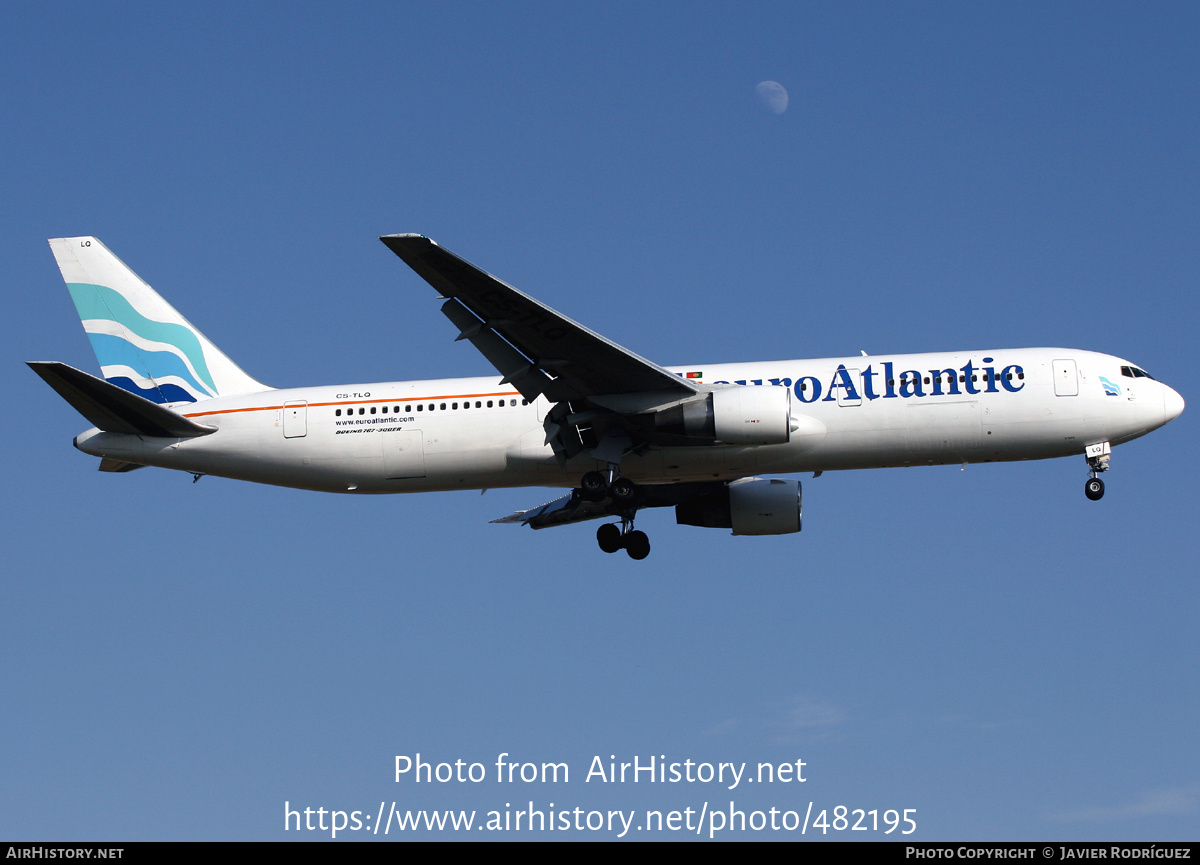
[(574, 410)]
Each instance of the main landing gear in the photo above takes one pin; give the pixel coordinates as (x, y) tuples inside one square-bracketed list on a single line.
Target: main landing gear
[(612, 537), (596, 486), (1098, 456)]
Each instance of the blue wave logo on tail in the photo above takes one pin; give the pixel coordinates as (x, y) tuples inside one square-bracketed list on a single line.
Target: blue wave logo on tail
[(1110, 389), (161, 361)]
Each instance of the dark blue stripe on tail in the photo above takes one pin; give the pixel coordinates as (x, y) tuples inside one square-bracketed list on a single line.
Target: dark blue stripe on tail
[(162, 393)]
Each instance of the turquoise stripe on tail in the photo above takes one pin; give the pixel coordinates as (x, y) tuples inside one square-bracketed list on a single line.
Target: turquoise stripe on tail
[(142, 343)]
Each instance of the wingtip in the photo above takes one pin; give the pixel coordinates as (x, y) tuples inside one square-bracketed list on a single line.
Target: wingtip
[(389, 239)]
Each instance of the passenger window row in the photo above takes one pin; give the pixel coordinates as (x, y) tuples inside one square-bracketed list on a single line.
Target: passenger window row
[(962, 379), (432, 406)]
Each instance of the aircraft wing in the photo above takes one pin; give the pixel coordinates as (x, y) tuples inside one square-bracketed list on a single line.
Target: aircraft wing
[(560, 512), (573, 509), (535, 348)]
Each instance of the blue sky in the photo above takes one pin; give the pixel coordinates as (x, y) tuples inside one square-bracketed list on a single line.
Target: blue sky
[(984, 646)]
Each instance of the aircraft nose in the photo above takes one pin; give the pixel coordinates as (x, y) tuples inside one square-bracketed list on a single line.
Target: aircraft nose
[(1172, 404)]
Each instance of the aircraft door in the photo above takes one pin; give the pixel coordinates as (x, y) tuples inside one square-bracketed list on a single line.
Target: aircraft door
[(295, 419), (403, 454), (848, 396), (1066, 378)]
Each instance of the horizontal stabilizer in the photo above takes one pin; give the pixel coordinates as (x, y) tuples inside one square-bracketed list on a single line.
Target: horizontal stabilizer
[(114, 409)]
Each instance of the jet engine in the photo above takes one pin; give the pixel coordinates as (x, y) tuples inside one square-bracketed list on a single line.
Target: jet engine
[(736, 415), (750, 506)]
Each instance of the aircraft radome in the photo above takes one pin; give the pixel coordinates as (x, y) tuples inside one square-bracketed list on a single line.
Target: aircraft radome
[(574, 410)]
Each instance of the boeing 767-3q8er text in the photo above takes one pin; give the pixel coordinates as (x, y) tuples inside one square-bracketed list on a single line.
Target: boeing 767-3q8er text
[(574, 410)]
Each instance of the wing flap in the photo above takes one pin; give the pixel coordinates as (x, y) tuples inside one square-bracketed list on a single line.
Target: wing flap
[(515, 368), (107, 464)]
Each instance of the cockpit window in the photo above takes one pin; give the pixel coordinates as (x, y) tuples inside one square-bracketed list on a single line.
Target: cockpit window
[(1134, 372)]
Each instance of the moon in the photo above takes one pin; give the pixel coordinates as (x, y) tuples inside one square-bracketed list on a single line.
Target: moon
[(772, 96)]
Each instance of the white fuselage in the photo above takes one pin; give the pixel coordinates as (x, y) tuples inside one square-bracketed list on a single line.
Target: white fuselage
[(847, 413)]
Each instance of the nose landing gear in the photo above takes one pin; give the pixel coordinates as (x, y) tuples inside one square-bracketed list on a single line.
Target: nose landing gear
[(1098, 456)]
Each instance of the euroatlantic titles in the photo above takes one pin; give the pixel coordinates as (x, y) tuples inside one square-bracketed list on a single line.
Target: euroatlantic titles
[(911, 382)]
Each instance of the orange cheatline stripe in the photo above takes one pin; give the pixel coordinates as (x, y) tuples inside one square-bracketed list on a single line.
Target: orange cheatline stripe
[(413, 399), (233, 410)]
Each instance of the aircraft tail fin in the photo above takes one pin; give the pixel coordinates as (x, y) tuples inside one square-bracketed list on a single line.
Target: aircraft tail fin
[(142, 343)]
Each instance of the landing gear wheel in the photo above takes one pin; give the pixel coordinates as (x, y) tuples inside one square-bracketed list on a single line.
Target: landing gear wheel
[(637, 545), (608, 536), (1094, 489), (594, 486), (624, 491)]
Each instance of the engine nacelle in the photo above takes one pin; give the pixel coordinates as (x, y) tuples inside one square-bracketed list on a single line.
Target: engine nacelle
[(751, 506), (736, 415)]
